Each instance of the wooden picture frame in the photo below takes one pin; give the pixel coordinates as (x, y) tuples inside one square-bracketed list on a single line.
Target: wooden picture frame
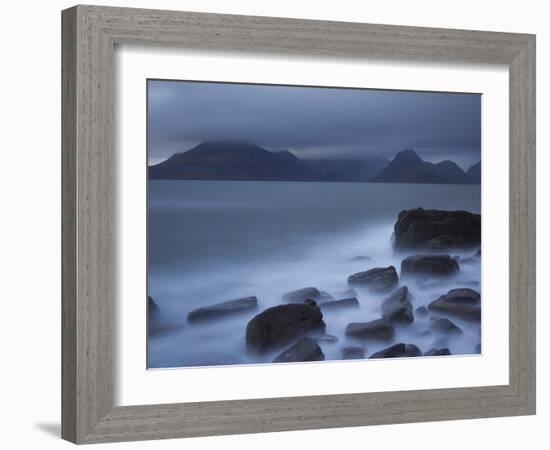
[(90, 34)]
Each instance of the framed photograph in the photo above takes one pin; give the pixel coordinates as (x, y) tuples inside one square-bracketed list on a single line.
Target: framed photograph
[(278, 224)]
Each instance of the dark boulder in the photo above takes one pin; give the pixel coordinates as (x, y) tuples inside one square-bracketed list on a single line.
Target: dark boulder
[(339, 304), (353, 353), (307, 293), (397, 307), (438, 352), (306, 349), (379, 279), (376, 329), (280, 324), (443, 325), (464, 303), (224, 309), (427, 266), (434, 230), (398, 351)]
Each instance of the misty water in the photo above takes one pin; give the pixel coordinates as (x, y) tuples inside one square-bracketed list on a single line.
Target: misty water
[(212, 241)]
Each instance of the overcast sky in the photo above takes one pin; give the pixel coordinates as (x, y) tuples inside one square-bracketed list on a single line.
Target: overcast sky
[(314, 122)]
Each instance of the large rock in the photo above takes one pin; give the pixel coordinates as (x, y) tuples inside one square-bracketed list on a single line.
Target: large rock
[(431, 229), (464, 303), (223, 309), (397, 307), (280, 324), (307, 293), (379, 279), (376, 329), (353, 353), (398, 351), (344, 303), (443, 325), (428, 266), (306, 349)]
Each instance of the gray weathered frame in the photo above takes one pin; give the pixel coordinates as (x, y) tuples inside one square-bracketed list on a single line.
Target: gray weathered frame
[(89, 36)]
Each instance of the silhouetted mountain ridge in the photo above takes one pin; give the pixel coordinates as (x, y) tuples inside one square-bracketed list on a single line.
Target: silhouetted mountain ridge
[(244, 161)]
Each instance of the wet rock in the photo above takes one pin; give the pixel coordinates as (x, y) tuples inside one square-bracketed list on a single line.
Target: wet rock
[(429, 266), (379, 279), (434, 230), (353, 353), (421, 311), (443, 325), (376, 329), (347, 293), (306, 349), (280, 324), (301, 295), (438, 352), (398, 351), (340, 304), (223, 309), (464, 303), (397, 307), (327, 338)]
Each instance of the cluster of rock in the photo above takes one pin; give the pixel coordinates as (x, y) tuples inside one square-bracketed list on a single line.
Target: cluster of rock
[(296, 327)]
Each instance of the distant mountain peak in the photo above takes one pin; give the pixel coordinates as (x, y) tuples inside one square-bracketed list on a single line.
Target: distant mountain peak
[(409, 167), (407, 155)]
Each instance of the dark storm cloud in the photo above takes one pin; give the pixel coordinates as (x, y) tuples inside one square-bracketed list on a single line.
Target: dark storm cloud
[(314, 122)]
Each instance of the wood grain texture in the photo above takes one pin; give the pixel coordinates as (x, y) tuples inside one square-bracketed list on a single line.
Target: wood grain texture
[(89, 36)]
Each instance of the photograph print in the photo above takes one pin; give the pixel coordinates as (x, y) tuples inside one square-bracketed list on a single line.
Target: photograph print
[(292, 224)]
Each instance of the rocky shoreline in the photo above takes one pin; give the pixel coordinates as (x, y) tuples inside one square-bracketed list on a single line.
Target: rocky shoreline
[(425, 240)]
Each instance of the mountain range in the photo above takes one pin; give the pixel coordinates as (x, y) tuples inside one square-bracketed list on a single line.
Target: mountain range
[(224, 160)]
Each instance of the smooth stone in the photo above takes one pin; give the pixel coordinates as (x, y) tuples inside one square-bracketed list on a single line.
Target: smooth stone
[(306, 349), (398, 351), (444, 325), (379, 279), (280, 324), (339, 304), (376, 329), (429, 266), (438, 352), (464, 303), (353, 353), (223, 309), (307, 293), (433, 230), (397, 307)]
